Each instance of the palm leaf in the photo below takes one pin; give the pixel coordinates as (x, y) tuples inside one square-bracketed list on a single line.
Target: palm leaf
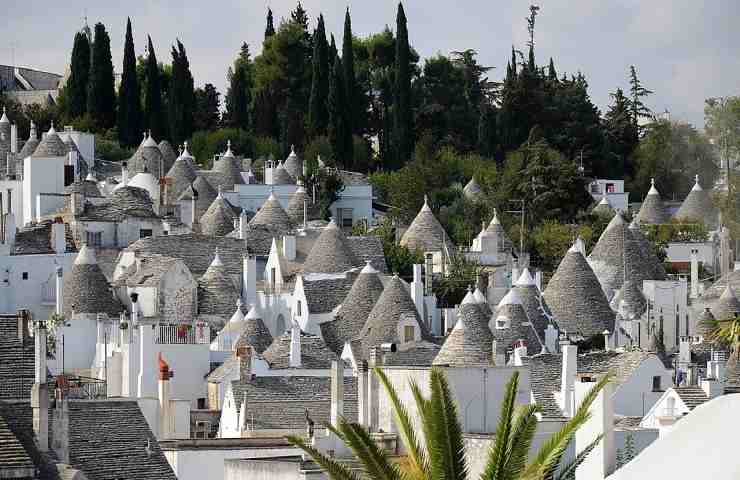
[(520, 441), (375, 460), (417, 459), (569, 470), (447, 445), (334, 469), (497, 453), (549, 456)]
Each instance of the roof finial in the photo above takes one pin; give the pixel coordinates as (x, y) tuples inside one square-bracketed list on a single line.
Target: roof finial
[(426, 200), (696, 178), (292, 149), (51, 130), (149, 132), (652, 182), (220, 192)]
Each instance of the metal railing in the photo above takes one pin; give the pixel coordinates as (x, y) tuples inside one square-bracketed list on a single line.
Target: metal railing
[(183, 334), (84, 388), (49, 292)]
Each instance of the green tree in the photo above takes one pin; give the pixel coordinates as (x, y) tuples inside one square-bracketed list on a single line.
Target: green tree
[(340, 135), (270, 25), (443, 455), (129, 95), (153, 105), (239, 93), (637, 93), (403, 128), (621, 137), (206, 115), (350, 83), (101, 95), (318, 115), (76, 90), (182, 96)]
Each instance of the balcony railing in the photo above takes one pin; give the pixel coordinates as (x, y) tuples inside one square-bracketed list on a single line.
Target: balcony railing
[(49, 293), (84, 388), (183, 334)]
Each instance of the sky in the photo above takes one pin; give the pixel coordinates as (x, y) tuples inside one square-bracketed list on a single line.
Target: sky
[(684, 50)]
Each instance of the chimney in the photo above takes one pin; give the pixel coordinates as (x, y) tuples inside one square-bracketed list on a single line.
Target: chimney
[(375, 359), (428, 273), (499, 356), (243, 222), (295, 345), (568, 377), (362, 392), (24, 318), (14, 139), (551, 338), (289, 247), (712, 387), (607, 339), (244, 354), (165, 417), (124, 173), (249, 279), (76, 203), (337, 392), (417, 291), (60, 437), (193, 210), (147, 375), (235, 223), (58, 290), (40, 391), (538, 279), (10, 230), (134, 308), (520, 351), (58, 236), (305, 213), (694, 273), (600, 462)]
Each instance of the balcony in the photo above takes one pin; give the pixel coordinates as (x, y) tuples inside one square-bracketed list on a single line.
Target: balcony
[(183, 334)]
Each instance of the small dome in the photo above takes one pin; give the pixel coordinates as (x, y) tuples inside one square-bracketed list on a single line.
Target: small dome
[(30, 146), (229, 170), (652, 211), (86, 290), (470, 342), (280, 176), (147, 158), (296, 206), (426, 233), (148, 182), (272, 216), (727, 306), (330, 253), (254, 334), (205, 197), (219, 218), (293, 164), (706, 324), (182, 174), (472, 190), (217, 293), (603, 207), (51, 145), (698, 207)]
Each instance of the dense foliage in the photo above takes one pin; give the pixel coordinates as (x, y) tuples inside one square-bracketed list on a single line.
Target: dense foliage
[(129, 95)]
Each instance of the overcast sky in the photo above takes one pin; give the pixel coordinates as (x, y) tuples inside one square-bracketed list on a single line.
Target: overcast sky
[(684, 50)]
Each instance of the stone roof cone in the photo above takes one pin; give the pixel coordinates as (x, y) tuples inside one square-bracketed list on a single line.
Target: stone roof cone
[(426, 233), (280, 175), (86, 290), (706, 324), (576, 298), (470, 342), (330, 253), (655, 267), (534, 304), (354, 311), (727, 306), (511, 311), (219, 218), (217, 293), (182, 174), (51, 145), (272, 215), (147, 158), (652, 211), (296, 203), (255, 333), (206, 195), (603, 207), (30, 146), (293, 164), (229, 168), (472, 190), (698, 207), (168, 154)]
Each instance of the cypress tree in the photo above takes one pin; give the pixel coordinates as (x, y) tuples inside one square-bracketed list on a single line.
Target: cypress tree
[(239, 94), (332, 51), (318, 116), (101, 95), (552, 75), (129, 95), (182, 96), (340, 136), (403, 122), (153, 96), (270, 28), (513, 63), (79, 75), (348, 62)]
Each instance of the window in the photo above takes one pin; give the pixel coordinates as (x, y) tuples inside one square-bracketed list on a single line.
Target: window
[(503, 322), (145, 232), (272, 276), (609, 188), (94, 239), (298, 308), (25, 275), (345, 215), (656, 384), (202, 429), (280, 325), (408, 333)]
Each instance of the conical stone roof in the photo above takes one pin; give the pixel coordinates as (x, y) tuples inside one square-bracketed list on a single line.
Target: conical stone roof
[(206, 195), (511, 312), (217, 294), (706, 324), (576, 298), (293, 164), (652, 211), (632, 302), (330, 253), (426, 233), (146, 158), (168, 154), (354, 311), (280, 176), (392, 307), (295, 207), (472, 190), (255, 333), (229, 169), (654, 265), (219, 218), (470, 343), (30, 146), (727, 305), (86, 290), (698, 207), (272, 215), (617, 253), (603, 208), (182, 175), (534, 304), (51, 145)]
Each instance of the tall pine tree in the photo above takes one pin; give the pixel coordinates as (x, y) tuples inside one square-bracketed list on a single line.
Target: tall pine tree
[(153, 111), (239, 94), (333, 52), (403, 138), (206, 115), (76, 90), (350, 84), (637, 93), (129, 95), (270, 27), (621, 136), (182, 96), (318, 116), (340, 136), (101, 94)]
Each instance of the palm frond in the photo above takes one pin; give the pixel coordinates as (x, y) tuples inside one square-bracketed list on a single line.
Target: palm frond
[(551, 452), (497, 453), (416, 456), (334, 469), (569, 470), (447, 456), (520, 441), (374, 459)]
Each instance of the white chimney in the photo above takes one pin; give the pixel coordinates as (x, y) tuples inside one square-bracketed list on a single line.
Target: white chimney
[(10, 230), (14, 139), (58, 234), (551, 338), (499, 355), (568, 378), (417, 291), (58, 290), (243, 222), (538, 279), (193, 210), (165, 416), (337, 392), (520, 351), (289, 247), (249, 280), (694, 273), (600, 463), (39, 391), (124, 173), (295, 345)]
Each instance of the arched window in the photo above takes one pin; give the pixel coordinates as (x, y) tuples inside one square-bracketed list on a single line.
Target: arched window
[(280, 325)]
